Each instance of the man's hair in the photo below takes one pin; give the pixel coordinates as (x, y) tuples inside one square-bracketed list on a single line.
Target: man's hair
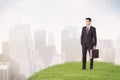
[(88, 19)]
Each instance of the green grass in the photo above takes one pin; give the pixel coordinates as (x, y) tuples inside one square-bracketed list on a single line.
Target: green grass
[(73, 71)]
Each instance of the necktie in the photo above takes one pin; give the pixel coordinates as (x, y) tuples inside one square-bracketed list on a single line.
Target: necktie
[(87, 29)]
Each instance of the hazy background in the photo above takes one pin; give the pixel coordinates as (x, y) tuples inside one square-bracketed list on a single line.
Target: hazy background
[(59, 13), (36, 34)]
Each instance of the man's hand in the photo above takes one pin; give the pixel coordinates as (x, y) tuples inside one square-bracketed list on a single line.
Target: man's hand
[(94, 47)]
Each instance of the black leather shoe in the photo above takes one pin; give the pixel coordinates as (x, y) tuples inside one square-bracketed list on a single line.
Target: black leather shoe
[(83, 68)]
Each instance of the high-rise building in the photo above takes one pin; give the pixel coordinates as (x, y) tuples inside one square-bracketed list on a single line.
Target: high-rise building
[(44, 48), (39, 38), (47, 47), (50, 38), (71, 48), (21, 48), (5, 51), (4, 71), (106, 50), (117, 51)]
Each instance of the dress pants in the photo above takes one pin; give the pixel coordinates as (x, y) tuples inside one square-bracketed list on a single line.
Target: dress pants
[(84, 55)]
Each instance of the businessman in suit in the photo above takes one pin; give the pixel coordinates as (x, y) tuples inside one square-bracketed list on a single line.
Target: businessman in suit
[(88, 41)]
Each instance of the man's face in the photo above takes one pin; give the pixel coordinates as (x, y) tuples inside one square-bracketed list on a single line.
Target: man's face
[(88, 22)]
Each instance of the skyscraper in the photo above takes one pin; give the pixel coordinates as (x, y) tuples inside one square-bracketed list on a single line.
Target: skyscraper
[(44, 48), (40, 38), (106, 50), (71, 44), (5, 50), (21, 48), (117, 54), (4, 71)]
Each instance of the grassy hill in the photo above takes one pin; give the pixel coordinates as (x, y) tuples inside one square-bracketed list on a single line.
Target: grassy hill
[(72, 71)]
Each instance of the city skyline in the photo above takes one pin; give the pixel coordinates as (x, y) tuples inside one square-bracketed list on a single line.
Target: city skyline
[(37, 34), (59, 14), (44, 49)]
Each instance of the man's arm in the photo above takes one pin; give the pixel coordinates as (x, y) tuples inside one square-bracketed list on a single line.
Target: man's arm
[(94, 38), (82, 35)]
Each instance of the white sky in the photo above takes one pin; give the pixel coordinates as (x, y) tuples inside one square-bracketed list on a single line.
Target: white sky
[(60, 13)]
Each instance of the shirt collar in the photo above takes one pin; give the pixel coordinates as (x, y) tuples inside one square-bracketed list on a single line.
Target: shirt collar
[(88, 26)]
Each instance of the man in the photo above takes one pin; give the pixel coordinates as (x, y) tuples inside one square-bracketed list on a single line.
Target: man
[(88, 41)]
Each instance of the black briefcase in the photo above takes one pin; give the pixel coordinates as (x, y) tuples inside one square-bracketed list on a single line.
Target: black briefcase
[(95, 53)]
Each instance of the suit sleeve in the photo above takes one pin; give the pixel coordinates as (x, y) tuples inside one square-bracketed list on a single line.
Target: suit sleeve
[(94, 37), (82, 36)]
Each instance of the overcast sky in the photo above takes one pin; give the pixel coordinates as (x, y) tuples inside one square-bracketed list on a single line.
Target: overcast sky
[(61, 13)]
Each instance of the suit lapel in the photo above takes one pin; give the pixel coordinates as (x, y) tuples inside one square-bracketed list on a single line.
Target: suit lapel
[(85, 30)]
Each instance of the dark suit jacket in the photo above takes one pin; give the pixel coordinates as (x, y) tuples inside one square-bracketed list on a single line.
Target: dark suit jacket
[(89, 39)]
